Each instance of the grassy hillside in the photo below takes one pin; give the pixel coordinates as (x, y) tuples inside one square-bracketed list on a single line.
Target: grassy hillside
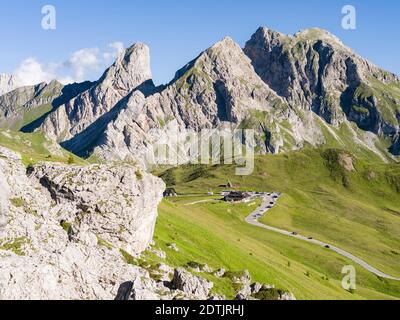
[(34, 147), (323, 196), (25, 105)]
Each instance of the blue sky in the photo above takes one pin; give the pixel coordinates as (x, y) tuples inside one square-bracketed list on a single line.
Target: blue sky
[(177, 31)]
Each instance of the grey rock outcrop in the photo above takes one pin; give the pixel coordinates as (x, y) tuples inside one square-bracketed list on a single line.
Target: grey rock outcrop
[(287, 296), (41, 259), (7, 83), (131, 71), (244, 278), (184, 286), (4, 193), (173, 247), (219, 273), (256, 287), (244, 293)]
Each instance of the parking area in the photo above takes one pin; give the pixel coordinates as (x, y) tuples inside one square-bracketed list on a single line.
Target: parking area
[(269, 200)]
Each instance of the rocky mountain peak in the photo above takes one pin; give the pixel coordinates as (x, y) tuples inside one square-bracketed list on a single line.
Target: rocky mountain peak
[(224, 62), (214, 58), (224, 49), (226, 42), (307, 56), (55, 83), (266, 35), (220, 86)]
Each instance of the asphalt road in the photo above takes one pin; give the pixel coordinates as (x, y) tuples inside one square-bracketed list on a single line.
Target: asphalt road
[(269, 201)]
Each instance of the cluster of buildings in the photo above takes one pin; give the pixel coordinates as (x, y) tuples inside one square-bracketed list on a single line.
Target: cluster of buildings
[(228, 196)]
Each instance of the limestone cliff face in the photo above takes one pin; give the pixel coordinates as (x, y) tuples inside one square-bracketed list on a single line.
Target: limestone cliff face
[(315, 71), (310, 68), (62, 228), (131, 71), (218, 88), (117, 203)]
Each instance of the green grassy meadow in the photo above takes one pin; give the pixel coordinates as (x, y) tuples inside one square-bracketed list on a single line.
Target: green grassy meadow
[(358, 211)]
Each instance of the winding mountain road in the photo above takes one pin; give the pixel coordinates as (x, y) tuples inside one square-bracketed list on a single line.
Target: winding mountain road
[(269, 200)]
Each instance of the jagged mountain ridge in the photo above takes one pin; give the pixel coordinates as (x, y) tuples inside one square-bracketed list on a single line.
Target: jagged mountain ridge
[(24, 106), (57, 234), (294, 90), (315, 71), (216, 88), (7, 83)]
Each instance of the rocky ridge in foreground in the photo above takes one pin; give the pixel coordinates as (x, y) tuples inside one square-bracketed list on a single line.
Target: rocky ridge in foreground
[(62, 228)]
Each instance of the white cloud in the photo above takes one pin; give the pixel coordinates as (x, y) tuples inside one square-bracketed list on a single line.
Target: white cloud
[(84, 64)]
